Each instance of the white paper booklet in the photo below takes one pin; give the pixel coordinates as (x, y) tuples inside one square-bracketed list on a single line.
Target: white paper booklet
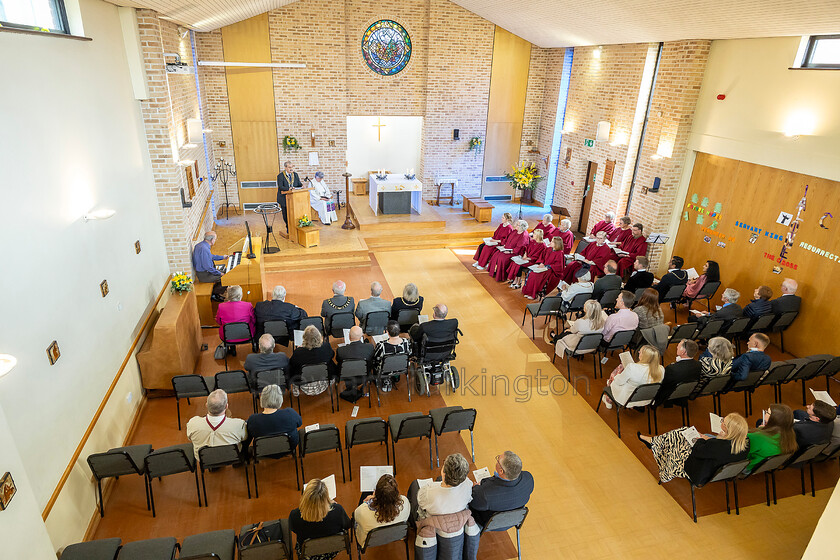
[(311, 427), (379, 337), (692, 274), (369, 476), (298, 338), (715, 421), (422, 318), (423, 482), (330, 482), (579, 257), (590, 239), (481, 474), (626, 358), (505, 250), (520, 260), (537, 268), (621, 253), (690, 434), (490, 241), (346, 335), (824, 397)]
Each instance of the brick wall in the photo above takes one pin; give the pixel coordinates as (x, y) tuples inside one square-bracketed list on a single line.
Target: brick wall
[(172, 100)]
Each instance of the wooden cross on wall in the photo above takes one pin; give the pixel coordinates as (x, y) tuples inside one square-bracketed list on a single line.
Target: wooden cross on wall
[(379, 128)]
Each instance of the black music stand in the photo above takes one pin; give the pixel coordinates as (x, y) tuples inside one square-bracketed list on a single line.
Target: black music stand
[(266, 210)]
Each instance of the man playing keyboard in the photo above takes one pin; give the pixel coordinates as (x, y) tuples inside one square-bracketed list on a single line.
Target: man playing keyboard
[(205, 270)]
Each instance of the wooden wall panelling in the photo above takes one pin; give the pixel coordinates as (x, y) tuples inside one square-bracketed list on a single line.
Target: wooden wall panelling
[(251, 105), (506, 107), (754, 195)]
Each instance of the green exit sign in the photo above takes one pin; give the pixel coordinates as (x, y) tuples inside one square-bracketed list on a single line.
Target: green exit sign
[(588, 143)]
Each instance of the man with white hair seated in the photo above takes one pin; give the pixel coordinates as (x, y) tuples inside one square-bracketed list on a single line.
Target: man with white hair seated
[(276, 309), (339, 303), (216, 428), (606, 225), (788, 301), (205, 270), (729, 312), (371, 304), (549, 229), (266, 359)]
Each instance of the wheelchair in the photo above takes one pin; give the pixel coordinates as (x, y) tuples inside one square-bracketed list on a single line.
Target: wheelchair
[(430, 364)]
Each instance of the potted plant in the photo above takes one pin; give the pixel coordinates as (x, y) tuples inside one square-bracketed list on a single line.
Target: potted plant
[(524, 178), (290, 144), (181, 283)]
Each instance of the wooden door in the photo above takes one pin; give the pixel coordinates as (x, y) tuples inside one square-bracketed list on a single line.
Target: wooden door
[(588, 192)]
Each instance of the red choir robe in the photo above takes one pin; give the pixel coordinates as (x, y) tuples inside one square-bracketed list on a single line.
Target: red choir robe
[(548, 280), (620, 235), (484, 252), (603, 225), (534, 251), (568, 239), (549, 230), (516, 242), (636, 246), (595, 253)]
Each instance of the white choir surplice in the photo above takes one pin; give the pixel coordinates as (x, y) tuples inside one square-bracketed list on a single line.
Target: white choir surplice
[(325, 208)]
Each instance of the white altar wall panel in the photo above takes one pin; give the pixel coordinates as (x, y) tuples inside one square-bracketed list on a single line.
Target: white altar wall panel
[(398, 150)]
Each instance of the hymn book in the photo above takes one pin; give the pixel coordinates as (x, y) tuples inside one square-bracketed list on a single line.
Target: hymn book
[(824, 397), (692, 274), (691, 435), (490, 241), (330, 482), (481, 474), (520, 260), (626, 358), (715, 420), (423, 482), (537, 268), (298, 338), (369, 476)]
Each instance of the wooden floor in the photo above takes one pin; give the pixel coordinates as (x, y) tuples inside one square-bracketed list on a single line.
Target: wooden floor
[(594, 497)]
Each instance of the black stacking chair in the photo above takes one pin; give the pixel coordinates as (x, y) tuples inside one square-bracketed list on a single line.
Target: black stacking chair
[(806, 369), (407, 318), (829, 368), (326, 545), (240, 332), (233, 381), (504, 520), (118, 462), (384, 535), (620, 341), (262, 379), (149, 549), (170, 460), (310, 374), (747, 386), (762, 322), (547, 307), (713, 387), (638, 295), (641, 394), (588, 344), (608, 300), (102, 549), (221, 456), (804, 457), (707, 292), (277, 446), (394, 364), (726, 474), (453, 419), (736, 330), (682, 332), (220, 545), (352, 373), (781, 324), (673, 295), (376, 321), (325, 438), (358, 431), (776, 375), (680, 397), (279, 330), (341, 321), (277, 547), (188, 387), (575, 306), (767, 466), (711, 329), (408, 425), (317, 322)]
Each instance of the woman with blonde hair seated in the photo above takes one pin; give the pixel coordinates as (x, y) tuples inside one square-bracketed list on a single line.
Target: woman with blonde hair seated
[(234, 310), (625, 380), (385, 507), (592, 322), (677, 458), (411, 299), (317, 516), (716, 361), (313, 350)]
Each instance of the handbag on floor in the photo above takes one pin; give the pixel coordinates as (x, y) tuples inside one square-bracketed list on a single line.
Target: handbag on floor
[(220, 352)]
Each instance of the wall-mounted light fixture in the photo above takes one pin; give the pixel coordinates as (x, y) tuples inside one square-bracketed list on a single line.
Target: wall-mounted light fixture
[(101, 214), (799, 123), (597, 53), (7, 362), (602, 133)]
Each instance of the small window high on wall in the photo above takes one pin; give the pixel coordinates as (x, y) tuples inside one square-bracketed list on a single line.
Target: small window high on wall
[(37, 15), (822, 51)]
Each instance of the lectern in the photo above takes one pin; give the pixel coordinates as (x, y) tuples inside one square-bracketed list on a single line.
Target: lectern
[(297, 205)]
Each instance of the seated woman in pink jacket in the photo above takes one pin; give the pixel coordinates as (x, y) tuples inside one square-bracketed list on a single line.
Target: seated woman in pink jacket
[(234, 310)]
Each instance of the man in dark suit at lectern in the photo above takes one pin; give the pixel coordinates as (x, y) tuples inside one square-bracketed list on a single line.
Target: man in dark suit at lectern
[(286, 181)]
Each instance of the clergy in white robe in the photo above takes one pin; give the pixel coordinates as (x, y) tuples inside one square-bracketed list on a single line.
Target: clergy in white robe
[(320, 198)]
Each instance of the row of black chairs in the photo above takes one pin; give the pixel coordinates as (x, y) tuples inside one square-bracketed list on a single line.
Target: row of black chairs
[(733, 472), (222, 545), (150, 464)]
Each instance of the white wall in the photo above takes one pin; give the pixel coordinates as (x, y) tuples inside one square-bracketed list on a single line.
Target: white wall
[(72, 140), (398, 150), (761, 95)]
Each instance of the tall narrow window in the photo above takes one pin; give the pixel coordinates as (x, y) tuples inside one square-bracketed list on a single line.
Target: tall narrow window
[(38, 15), (823, 51)]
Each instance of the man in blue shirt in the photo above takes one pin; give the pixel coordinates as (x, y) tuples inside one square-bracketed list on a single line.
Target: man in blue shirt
[(205, 270), (754, 359)]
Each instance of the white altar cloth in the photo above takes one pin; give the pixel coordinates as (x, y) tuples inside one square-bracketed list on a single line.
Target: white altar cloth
[(395, 183)]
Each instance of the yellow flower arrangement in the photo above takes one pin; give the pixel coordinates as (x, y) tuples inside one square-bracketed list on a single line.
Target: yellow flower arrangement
[(181, 282), (524, 177), (290, 143), (304, 221)]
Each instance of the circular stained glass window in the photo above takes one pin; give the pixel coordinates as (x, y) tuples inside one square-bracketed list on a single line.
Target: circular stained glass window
[(386, 47)]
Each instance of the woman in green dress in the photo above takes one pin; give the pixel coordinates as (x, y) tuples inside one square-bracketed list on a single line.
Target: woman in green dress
[(774, 436)]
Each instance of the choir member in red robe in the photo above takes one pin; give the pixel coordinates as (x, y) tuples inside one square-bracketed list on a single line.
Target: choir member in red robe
[(515, 244), (636, 245), (622, 232), (533, 252), (549, 229), (555, 260), (484, 252), (596, 256), (605, 225), (565, 232)]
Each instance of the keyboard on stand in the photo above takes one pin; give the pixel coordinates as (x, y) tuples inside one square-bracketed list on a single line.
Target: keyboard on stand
[(232, 262)]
